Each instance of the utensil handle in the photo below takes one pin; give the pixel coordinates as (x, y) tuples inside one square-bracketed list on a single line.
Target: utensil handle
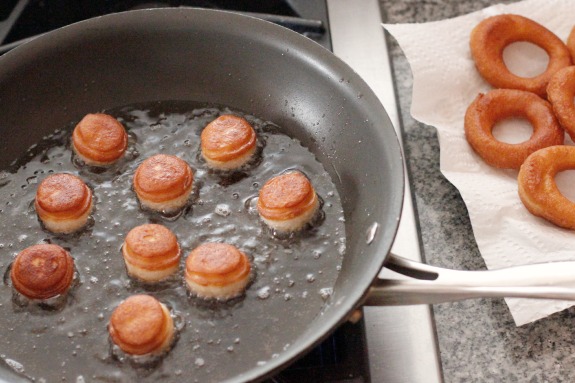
[(430, 285)]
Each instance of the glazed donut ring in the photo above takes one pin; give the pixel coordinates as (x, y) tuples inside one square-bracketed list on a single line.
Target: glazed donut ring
[(538, 190), (490, 37), (488, 109), (560, 93)]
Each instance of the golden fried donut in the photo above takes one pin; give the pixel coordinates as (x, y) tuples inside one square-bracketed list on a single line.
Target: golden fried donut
[(488, 109), (141, 325), (99, 139), (217, 270), (42, 271), (571, 44), (151, 252), (287, 202), (163, 183), (538, 190), (490, 37), (560, 92), (63, 203), (228, 142)]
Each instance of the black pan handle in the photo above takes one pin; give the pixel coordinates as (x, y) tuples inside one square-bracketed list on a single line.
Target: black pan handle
[(429, 285)]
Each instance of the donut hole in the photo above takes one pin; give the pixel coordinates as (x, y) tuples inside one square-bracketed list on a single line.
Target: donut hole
[(512, 130), (525, 59), (565, 181)]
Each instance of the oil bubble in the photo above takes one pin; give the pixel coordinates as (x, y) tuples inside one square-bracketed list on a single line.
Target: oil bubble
[(325, 293), (223, 210), (251, 205), (264, 292)]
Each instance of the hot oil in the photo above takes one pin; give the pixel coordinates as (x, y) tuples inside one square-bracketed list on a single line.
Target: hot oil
[(293, 275)]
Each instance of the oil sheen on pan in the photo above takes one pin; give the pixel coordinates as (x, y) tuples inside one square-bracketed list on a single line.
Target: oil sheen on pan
[(293, 274)]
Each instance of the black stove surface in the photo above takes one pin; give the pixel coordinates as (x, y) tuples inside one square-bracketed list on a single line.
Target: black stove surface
[(342, 357), (339, 359), (21, 20)]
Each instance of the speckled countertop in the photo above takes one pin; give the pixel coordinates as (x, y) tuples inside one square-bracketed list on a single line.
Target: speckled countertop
[(478, 339)]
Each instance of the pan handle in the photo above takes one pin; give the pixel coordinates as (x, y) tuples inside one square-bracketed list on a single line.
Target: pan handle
[(430, 285)]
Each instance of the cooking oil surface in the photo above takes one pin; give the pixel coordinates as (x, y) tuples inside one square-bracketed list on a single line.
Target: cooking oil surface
[(293, 275)]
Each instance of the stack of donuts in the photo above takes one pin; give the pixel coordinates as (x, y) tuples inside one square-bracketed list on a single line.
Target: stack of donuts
[(141, 325), (546, 101)]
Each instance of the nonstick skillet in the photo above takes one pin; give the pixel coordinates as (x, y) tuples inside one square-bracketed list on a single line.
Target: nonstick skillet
[(225, 59), (222, 58)]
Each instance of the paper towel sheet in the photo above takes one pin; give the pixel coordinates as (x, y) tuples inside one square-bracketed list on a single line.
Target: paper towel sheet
[(445, 82)]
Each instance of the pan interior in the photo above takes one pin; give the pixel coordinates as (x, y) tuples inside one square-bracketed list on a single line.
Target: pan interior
[(291, 276), (223, 59)]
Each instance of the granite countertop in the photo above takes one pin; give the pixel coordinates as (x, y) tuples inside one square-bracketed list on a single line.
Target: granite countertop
[(478, 339)]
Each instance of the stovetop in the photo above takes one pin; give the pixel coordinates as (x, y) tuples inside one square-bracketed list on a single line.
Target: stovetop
[(21, 20), (389, 345)]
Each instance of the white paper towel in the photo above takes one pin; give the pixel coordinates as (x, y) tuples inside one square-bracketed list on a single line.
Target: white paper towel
[(445, 82)]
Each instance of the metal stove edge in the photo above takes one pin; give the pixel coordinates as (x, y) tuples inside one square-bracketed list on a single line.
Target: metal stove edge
[(402, 342)]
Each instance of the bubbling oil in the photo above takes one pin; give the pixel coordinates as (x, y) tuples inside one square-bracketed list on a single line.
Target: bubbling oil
[(293, 275)]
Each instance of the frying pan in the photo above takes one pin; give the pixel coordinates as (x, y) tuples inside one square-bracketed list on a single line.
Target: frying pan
[(227, 59)]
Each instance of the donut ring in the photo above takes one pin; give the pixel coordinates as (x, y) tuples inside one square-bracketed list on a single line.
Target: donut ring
[(142, 325), (571, 43), (228, 142), (163, 183), (99, 139), (217, 270), (42, 271), (490, 37), (287, 202), (488, 109), (63, 203), (560, 92), (151, 252), (538, 190)]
